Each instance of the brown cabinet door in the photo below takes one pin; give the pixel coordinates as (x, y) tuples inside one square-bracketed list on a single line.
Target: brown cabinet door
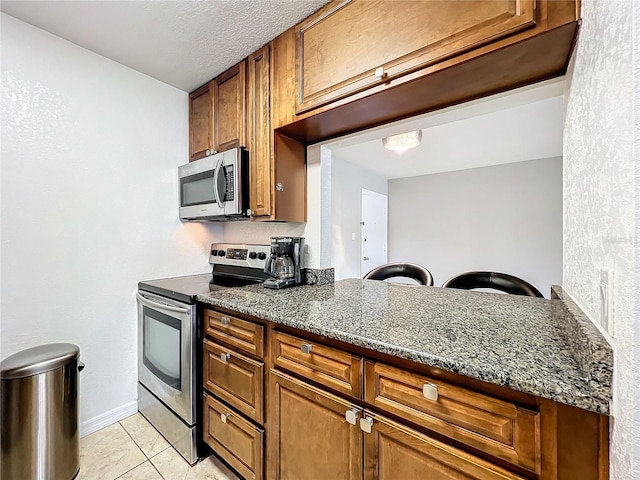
[(498, 427), (200, 122), (351, 45), (229, 110), (335, 369), (233, 438), (310, 435), (259, 133), (248, 337), (395, 452), (236, 379)]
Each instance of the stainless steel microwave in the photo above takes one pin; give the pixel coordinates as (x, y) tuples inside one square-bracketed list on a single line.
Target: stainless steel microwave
[(216, 187)]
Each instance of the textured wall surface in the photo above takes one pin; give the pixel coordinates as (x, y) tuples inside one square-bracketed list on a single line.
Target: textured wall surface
[(600, 201), (347, 182), (504, 218), (90, 151)]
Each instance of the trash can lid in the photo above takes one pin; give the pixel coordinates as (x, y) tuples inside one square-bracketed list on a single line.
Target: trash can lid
[(36, 360)]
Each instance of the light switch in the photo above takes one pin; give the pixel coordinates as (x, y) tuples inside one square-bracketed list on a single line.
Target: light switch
[(606, 297)]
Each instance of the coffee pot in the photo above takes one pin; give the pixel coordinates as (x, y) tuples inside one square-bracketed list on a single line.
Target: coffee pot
[(285, 262)]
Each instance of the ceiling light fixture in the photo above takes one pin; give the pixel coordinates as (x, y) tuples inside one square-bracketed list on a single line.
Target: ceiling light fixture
[(403, 141)]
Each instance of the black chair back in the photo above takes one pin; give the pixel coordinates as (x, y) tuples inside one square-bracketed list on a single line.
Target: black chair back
[(498, 281), (407, 270)]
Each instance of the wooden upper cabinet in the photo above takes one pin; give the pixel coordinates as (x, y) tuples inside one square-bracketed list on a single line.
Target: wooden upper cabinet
[(200, 122), (259, 132), (229, 109), (351, 45)]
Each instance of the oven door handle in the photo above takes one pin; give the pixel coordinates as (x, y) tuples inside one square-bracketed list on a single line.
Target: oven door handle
[(184, 311)]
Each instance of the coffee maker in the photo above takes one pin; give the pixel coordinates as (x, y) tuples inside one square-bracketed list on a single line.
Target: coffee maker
[(285, 262)]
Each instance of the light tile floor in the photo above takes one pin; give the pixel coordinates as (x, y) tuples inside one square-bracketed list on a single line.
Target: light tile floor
[(133, 450)]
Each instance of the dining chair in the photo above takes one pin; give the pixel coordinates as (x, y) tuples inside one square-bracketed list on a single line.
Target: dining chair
[(495, 280), (407, 270)]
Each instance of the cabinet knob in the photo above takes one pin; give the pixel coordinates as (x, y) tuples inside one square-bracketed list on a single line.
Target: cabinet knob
[(225, 320), (366, 424), (225, 357), (306, 348), (430, 391), (208, 152), (380, 73), (352, 416), (279, 187), (225, 417)]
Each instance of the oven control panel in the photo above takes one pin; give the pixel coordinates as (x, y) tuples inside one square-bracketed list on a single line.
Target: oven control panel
[(244, 255)]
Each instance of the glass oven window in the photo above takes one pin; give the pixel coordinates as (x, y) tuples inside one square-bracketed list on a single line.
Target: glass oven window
[(162, 345), (197, 189)]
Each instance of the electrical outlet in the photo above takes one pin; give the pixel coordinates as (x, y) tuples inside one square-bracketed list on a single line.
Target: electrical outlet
[(606, 297)]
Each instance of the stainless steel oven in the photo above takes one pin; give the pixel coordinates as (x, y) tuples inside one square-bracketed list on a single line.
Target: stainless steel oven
[(170, 342), (166, 369)]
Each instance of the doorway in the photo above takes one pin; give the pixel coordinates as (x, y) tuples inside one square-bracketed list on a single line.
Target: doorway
[(373, 231)]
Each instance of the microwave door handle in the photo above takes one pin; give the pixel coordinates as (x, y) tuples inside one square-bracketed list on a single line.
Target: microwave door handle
[(216, 174), (161, 306)]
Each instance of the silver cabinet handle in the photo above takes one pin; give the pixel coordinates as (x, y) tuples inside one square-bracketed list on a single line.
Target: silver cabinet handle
[(225, 417), (225, 357), (306, 348), (352, 416), (430, 391), (279, 187), (366, 423), (208, 152), (225, 320)]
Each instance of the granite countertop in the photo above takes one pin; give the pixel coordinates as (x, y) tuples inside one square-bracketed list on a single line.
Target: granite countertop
[(517, 342)]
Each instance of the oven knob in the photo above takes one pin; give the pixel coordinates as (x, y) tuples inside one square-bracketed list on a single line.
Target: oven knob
[(262, 255), (221, 253), (214, 252), (252, 255)]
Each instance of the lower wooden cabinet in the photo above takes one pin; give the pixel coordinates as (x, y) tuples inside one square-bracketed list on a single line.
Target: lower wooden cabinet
[(395, 452), (234, 378), (310, 435), (318, 436), (236, 440)]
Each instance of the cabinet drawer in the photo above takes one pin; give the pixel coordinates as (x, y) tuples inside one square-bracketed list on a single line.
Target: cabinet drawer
[(239, 334), (333, 368), (236, 379), (497, 427), (393, 451), (233, 438)]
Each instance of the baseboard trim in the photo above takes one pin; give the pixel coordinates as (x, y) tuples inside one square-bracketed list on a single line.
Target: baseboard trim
[(108, 418)]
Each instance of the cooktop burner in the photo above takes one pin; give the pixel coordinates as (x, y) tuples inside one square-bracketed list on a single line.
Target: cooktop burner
[(184, 289), (233, 265)]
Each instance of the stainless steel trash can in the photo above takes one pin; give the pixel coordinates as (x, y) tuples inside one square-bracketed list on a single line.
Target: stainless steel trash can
[(39, 413)]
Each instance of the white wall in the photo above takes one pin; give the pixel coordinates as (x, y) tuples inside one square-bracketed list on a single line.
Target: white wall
[(505, 218), (601, 192), (317, 229), (347, 182), (90, 151)]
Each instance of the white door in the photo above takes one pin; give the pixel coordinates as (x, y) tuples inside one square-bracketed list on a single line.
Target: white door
[(373, 231)]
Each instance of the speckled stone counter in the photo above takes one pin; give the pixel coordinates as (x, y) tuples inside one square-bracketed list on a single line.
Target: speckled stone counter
[(517, 342)]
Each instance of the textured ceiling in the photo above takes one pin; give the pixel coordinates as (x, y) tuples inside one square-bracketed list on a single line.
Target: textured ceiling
[(183, 43)]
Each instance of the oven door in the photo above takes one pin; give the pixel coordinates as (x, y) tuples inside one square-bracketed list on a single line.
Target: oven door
[(166, 352)]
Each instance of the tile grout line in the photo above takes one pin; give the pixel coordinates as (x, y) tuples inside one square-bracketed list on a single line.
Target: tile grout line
[(145, 455), (147, 459)]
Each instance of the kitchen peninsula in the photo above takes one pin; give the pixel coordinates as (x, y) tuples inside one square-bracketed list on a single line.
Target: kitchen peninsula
[(495, 386)]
